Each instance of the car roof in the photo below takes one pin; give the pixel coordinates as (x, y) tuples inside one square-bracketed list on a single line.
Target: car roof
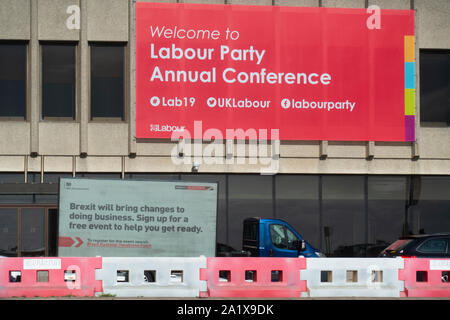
[(420, 236)]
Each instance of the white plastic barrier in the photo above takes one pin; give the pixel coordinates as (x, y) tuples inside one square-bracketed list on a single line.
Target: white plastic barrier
[(353, 277), (152, 277)]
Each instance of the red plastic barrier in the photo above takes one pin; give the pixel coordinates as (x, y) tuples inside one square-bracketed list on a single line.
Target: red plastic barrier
[(426, 277), (45, 277), (254, 277)]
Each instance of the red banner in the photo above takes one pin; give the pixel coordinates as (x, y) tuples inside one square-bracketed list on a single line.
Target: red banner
[(310, 73)]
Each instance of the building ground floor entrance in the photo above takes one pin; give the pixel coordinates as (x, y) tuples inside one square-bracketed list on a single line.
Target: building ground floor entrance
[(342, 215)]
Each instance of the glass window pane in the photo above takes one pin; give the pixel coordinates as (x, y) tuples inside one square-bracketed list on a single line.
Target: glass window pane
[(249, 196), (58, 80), (7, 177), (222, 219), (32, 231), (343, 215), (16, 198), (291, 239), (13, 77), (277, 236), (107, 83), (297, 202), (52, 232), (387, 196), (8, 232), (435, 86)]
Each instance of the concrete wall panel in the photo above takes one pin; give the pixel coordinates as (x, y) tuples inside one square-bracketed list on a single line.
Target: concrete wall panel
[(344, 3), (301, 149), (297, 3), (391, 4), (99, 164), (107, 20), (394, 150), (347, 149), (59, 138), (435, 143), (15, 19), (15, 138), (433, 19)]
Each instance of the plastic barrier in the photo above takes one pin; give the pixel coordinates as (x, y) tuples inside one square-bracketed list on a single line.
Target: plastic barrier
[(44, 277), (426, 277), (353, 277), (254, 277), (152, 277)]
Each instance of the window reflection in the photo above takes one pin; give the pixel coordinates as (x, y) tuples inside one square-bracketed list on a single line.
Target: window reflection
[(58, 80), (432, 212), (297, 202), (343, 215), (107, 80), (248, 196), (387, 196), (435, 86), (340, 215)]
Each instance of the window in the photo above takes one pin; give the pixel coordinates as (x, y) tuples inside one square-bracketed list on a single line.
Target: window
[(387, 196), (434, 246), (248, 196), (282, 237), (297, 202), (32, 232), (435, 86), (58, 81), (13, 91), (107, 81)]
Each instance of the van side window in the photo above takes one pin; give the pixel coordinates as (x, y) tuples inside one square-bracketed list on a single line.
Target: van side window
[(434, 246), (250, 231)]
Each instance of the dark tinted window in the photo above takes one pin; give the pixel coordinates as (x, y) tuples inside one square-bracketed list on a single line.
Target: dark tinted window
[(344, 216), (32, 231), (435, 86), (250, 231), (387, 196), (58, 80), (8, 232), (432, 212), (297, 202), (248, 196), (13, 80), (107, 81), (278, 236)]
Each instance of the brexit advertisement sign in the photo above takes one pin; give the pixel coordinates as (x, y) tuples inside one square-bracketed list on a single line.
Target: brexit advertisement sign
[(310, 73)]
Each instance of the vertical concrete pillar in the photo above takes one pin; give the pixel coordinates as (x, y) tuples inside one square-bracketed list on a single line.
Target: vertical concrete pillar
[(415, 145), (84, 79), (34, 80)]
